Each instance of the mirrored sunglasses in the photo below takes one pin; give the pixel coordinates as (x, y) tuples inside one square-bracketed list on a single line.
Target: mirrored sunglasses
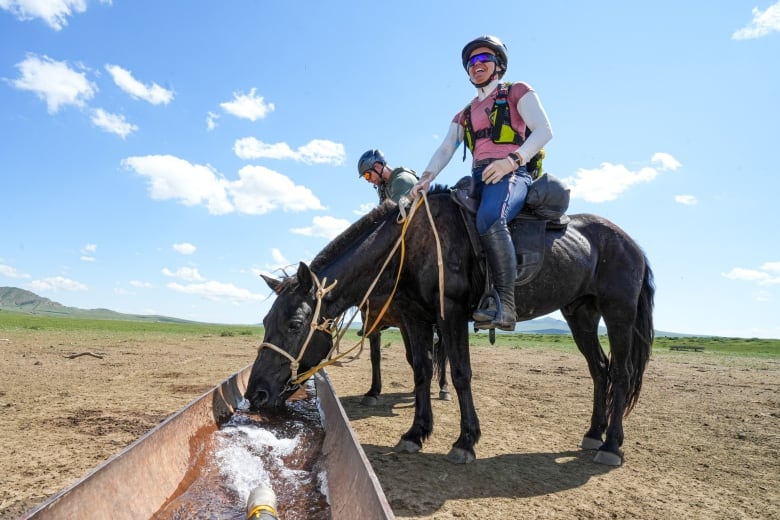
[(482, 57), (367, 175)]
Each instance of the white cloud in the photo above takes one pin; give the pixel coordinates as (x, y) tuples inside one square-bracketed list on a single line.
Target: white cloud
[(326, 227), (279, 264), (688, 200), (248, 106), (56, 283), (763, 23), (211, 121), (54, 82), (184, 248), (257, 191), (112, 123), (190, 184), (139, 284), (667, 161), (753, 275), (260, 190), (316, 151), (154, 93), (217, 291), (278, 257), (54, 12), (10, 272), (610, 180), (189, 274), (86, 258), (364, 208), (771, 266)]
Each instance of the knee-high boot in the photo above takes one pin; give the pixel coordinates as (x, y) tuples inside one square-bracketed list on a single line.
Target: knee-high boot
[(500, 252)]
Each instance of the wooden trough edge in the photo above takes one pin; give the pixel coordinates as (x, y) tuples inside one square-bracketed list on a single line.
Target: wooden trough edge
[(136, 482)]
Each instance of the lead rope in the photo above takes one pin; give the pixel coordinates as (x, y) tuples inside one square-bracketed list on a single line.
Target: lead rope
[(330, 325)]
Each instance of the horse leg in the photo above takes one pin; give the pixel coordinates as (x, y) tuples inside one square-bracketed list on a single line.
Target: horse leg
[(583, 320), (440, 368), (629, 324), (418, 337), (371, 398), (456, 342), (619, 374)]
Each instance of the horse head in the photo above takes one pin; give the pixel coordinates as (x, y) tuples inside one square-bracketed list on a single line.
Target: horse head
[(296, 339)]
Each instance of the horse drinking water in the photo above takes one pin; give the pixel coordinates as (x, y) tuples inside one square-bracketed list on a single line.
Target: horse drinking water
[(591, 270)]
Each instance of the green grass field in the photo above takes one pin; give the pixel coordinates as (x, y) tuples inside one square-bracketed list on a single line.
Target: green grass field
[(29, 322), (21, 321)]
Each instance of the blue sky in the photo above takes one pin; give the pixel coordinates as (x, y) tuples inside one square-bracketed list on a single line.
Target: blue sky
[(156, 157)]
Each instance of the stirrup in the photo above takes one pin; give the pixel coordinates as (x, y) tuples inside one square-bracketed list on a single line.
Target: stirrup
[(488, 308), (484, 325)]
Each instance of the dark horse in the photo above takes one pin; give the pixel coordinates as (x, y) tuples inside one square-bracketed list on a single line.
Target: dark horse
[(592, 270)]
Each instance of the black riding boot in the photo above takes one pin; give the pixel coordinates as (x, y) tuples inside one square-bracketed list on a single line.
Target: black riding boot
[(500, 252)]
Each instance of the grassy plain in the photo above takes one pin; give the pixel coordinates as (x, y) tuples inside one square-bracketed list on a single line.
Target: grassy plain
[(732, 346)]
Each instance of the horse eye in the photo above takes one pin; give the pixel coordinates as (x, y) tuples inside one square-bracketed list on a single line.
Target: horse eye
[(294, 325)]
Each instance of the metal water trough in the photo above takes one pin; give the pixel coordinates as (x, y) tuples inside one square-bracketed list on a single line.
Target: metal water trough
[(136, 482)]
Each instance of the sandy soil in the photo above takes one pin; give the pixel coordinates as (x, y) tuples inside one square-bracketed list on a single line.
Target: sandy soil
[(703, 442)]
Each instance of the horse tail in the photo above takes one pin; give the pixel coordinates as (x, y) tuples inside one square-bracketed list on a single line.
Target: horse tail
[(643, 336)]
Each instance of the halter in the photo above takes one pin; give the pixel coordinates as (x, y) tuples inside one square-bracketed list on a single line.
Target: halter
[(327, 325)]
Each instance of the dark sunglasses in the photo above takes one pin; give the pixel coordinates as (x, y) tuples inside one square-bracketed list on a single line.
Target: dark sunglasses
[(482, 57)]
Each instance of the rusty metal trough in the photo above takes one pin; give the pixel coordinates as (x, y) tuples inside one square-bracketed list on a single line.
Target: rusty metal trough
[(136, 482)]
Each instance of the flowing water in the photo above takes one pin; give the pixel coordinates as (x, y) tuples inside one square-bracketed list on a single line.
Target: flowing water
[(281, 451)]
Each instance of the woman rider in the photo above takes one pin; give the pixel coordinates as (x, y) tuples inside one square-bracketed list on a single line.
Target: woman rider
[(501, 178)]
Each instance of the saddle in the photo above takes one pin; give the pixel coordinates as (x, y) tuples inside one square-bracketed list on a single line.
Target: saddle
[(544, 211)]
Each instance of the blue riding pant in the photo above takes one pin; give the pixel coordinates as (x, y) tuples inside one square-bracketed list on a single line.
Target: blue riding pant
[(502, 200)]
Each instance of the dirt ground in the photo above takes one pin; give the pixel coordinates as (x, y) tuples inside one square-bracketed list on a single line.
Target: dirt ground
[(703, 442)]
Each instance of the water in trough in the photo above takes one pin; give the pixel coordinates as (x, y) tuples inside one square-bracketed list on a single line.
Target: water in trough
[(281, 450)]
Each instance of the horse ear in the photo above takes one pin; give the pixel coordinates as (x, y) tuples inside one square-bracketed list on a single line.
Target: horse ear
[(273, 283), (305, 276)]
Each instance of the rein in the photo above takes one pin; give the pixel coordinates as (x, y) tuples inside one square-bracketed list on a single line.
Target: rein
[(331, 326)]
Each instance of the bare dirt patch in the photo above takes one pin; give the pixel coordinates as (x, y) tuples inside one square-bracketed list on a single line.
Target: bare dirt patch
[(703, 442)]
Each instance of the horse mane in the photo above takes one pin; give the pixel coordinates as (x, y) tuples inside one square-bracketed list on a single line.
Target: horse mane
[(350, 235), (438, 189), (362, 227)]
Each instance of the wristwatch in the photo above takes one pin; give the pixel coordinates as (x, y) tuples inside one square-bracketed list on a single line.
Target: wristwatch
[(516, 157)]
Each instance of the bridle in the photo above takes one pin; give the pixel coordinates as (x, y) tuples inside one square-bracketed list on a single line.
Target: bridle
[(325, 325)]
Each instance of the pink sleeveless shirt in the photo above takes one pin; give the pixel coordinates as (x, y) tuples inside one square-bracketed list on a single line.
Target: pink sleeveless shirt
[(480, 110)]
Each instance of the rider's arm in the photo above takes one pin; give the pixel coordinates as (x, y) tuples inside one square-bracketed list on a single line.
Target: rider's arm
[(442, 155), (535, 118)]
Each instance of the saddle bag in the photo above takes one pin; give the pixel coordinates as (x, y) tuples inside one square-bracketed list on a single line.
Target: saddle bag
[(548, 198)]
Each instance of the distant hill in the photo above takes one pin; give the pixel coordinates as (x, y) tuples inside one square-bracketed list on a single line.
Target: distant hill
[(14, 299), (546, 326)]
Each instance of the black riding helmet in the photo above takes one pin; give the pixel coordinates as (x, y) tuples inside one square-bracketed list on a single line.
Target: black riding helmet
[(368, 159), (492, 43)]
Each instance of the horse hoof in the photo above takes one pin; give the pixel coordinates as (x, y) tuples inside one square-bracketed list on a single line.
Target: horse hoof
[(608, 458), (460, 456), (370, 400), (405, 446), (589, 443), (445, 396)]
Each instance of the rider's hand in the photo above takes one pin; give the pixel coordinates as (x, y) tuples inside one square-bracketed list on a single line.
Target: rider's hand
[(496, 170), (423, 184)]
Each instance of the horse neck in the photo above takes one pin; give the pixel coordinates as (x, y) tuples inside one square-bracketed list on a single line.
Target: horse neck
[(357, 268)]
